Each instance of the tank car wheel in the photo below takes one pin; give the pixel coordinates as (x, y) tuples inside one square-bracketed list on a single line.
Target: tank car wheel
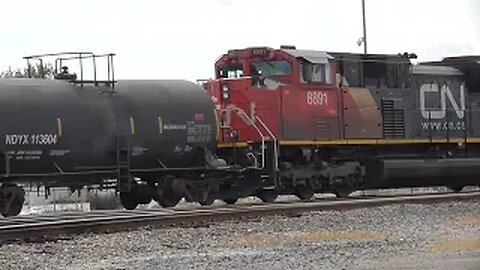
[(230, 201), (14, 199), (128, 200), (268, 196), (169, 201), (15, 208), (456, 188), (304, 192), (208, 199), (166, 197)]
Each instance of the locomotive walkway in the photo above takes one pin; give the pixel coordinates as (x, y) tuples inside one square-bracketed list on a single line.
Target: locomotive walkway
[(47, 227)]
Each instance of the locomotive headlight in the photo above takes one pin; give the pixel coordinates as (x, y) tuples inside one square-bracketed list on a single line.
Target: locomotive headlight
[(225, 88), (225, 91)]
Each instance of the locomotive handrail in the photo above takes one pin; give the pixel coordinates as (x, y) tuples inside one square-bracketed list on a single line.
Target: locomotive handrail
[(250, 120), (275, 141), (252, 123), (263, 137)]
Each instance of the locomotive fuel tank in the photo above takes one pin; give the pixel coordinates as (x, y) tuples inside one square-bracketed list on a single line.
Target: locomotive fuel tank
[(50, 127), (393, 173)]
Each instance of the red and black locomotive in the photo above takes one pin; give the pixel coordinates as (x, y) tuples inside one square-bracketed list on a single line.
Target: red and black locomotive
[(338, 122)]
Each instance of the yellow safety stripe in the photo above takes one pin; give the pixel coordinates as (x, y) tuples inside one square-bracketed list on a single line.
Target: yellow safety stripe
[(360, 142), (228, 145)]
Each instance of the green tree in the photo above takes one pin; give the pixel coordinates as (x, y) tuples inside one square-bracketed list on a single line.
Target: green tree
[(36, 71)]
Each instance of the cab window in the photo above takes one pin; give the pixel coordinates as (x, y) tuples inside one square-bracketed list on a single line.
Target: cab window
[(230, 71), (315, 73), (271, 68)]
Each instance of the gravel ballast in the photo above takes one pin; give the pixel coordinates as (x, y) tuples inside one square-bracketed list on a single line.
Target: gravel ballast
[(437, 236)]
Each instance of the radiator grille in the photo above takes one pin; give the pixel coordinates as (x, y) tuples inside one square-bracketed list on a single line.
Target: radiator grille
[(393, 120)]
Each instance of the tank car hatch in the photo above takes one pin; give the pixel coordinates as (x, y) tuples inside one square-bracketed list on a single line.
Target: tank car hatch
[(64, 61)]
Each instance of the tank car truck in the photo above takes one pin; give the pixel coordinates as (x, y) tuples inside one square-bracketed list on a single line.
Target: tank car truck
[(316, 121), (155, 139)]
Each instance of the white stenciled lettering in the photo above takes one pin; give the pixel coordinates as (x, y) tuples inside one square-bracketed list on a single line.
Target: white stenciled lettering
[(33, 139), (439, 125), (317, 98), (14, 139)]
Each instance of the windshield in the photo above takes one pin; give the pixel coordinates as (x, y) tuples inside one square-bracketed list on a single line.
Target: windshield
[(271, 68)]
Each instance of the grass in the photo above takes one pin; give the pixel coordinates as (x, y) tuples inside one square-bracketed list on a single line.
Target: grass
[(467, 244)]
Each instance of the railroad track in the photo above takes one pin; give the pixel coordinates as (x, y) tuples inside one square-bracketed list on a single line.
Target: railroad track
[(45, 227)]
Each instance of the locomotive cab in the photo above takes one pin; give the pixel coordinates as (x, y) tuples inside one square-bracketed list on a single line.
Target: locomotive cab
[(261, 84)]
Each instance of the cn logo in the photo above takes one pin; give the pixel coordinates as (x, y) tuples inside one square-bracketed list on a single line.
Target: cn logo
[(445, 93)]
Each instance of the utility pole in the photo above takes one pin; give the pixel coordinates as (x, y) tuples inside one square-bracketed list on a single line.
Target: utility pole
[(364, 28)]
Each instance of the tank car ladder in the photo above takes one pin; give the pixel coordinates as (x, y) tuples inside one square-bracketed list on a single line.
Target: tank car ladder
[(122, 147)]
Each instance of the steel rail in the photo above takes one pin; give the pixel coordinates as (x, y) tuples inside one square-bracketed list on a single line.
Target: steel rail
[(45, 227)]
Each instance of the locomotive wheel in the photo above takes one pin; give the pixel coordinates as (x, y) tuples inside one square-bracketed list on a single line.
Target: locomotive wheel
[(230, 201), (456, 188), (268, 196), (304, 192), (128, 200), (342, 193), (167, 197), (207, 201), (14, 197)]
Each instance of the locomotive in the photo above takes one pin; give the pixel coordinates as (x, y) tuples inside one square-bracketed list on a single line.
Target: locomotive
[(272, 121), (318, 121)]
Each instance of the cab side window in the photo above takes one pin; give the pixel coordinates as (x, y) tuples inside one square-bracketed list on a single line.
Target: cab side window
[(230, 72), (314, 73)]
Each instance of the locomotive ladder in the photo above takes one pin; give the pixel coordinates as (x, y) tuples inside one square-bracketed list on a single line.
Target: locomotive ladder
[(273, 162), (123, 163), (273, 165)]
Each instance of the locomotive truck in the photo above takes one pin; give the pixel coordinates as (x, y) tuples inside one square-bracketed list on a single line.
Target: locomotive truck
[(337, 122)]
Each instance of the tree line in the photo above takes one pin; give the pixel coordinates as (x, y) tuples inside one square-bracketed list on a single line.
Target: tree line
[(36, 71)]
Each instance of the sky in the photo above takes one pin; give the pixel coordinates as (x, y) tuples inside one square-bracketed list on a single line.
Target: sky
[(181, 39)]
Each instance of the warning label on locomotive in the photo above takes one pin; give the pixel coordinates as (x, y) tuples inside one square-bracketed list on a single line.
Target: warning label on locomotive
[(31, 139)]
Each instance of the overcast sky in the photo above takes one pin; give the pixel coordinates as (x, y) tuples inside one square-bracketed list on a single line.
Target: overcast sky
[(182, 38)]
